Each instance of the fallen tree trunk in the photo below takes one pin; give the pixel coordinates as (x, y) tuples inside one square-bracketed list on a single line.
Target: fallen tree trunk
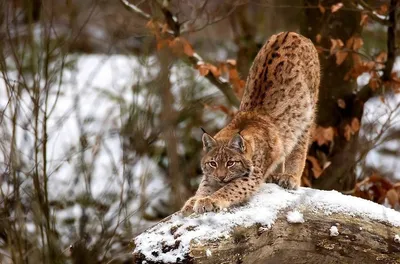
[(279, 226)]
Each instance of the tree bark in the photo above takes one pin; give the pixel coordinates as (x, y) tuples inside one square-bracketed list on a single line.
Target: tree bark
[(363, 237)]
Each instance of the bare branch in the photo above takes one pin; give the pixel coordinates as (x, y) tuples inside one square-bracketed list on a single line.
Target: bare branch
[(135, 9)]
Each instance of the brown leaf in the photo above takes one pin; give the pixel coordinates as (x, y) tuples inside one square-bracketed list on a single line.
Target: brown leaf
[(373, 84), (203, 69), (393, 197), (214, 70), (187, 48), (355, 124), (347, 132), (221, 108), (231, 62), (336, 44), (356, 59), (321, 8), (323, 135), (357, 43), (383, 10), (318, 38), (161, 43), (364, 20), (336, 7), (316, 168), (341, 103), (381, 57), (341, 56)]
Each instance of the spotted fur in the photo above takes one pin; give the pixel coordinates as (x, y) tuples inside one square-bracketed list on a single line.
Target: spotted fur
[(271, 129)]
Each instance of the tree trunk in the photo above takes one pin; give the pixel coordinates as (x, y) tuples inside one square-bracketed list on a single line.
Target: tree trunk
[(367, 236), (343, 25)]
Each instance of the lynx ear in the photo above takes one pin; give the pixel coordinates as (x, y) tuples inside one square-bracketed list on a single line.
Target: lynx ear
[(208, 142), (237, 142)]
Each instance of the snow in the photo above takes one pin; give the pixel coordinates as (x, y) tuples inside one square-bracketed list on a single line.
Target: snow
[(295, 217), (333, 231), (208, 252), (262, 209)]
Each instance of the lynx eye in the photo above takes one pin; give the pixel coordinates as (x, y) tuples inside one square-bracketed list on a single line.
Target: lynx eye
[(230, 163), (212, 164)]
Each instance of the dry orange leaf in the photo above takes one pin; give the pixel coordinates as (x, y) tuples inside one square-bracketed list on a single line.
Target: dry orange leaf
[(203, 69), (335, 45), (336, 7), (341, 103), (321, 8), (381, 57), (357, 43), (355, 124), (364, 19), (373, 83), (231, 62), (341, 56), (318, 38), (347, 132), (393, 197), (323, 135), (383, 9), (316, 168)]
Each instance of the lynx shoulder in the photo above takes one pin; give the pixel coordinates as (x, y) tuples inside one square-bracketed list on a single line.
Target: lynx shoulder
[(271, 129)]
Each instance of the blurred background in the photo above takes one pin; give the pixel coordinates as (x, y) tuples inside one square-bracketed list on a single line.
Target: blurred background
[(101, 104)]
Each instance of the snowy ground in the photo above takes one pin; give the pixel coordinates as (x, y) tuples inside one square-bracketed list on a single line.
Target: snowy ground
[(270, 200)]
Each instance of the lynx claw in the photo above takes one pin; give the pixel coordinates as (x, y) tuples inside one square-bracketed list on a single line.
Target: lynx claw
[(203, 205), (285, 180), (209, 204), (187, 209)]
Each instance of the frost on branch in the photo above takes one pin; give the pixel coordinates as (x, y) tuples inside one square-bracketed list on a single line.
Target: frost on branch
[(272, 221)]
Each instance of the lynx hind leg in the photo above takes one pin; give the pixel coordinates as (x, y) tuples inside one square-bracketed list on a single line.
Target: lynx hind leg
[(290, 177)]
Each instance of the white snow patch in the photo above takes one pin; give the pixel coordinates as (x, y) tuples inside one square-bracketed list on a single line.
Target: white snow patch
[(262, 209), (397, 238), (208, 252), (334, 231), (295, 217)]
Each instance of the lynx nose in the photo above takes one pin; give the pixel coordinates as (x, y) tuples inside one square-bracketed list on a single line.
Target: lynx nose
[(220, 175)]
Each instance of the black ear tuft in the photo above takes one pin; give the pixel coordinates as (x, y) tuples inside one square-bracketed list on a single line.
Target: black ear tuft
[(208, 142), (237, 142), (202, 129)]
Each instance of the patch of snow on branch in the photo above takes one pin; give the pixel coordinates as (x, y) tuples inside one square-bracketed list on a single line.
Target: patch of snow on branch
[(295, 217), (333, 231), (177, 232)]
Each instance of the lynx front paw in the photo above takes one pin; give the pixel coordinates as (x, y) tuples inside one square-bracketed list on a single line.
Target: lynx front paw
[(187, 209), (209, 204), (285, 180)]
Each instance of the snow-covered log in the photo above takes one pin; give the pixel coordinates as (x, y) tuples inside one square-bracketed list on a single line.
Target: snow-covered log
[(279, 226)]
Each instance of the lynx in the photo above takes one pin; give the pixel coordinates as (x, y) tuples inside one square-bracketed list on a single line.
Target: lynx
[(267, 140)]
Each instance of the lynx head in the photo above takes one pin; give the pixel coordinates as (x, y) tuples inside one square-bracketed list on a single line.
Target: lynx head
[(224, 161)]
